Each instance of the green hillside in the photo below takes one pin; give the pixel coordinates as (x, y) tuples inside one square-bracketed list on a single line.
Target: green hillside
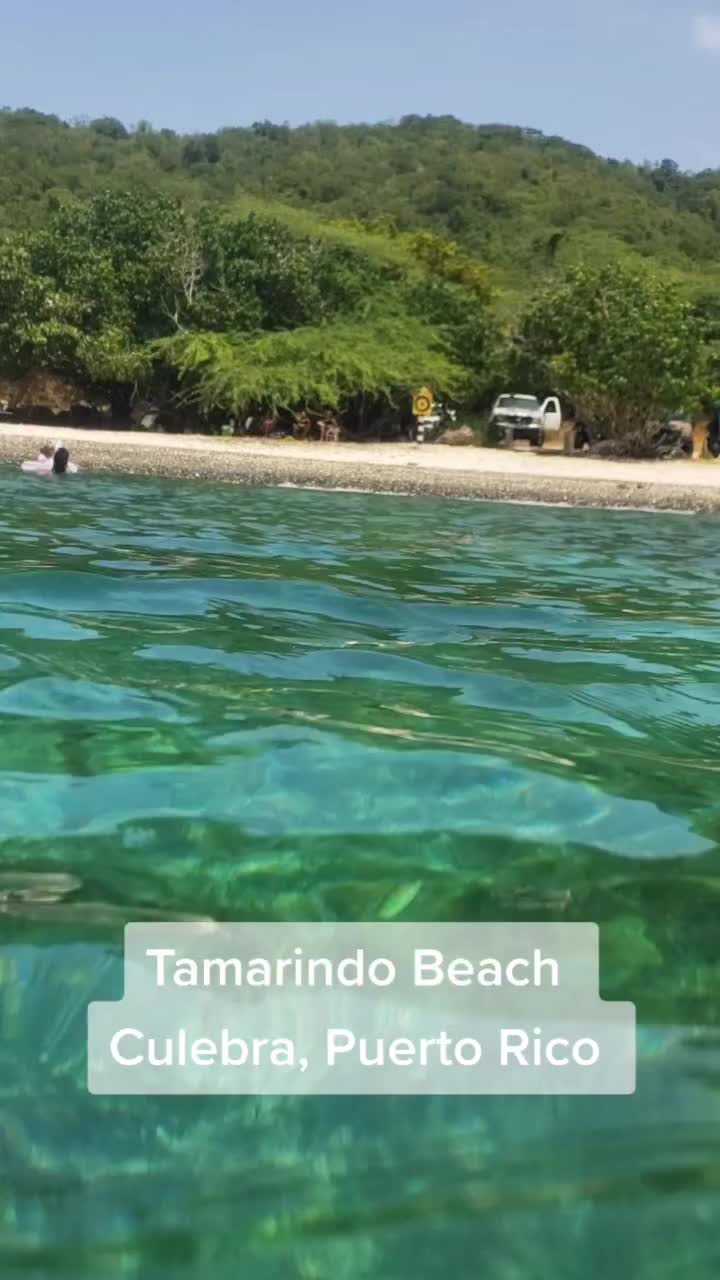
[(336, 268), (519, 200)]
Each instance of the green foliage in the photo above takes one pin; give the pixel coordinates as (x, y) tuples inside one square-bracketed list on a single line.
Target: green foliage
[(232, 243), (444, 258), (36, 316), (286, 279), (246, 308), (512, 197), (622, 344), (109, 127), (471, 332), (317, 366)]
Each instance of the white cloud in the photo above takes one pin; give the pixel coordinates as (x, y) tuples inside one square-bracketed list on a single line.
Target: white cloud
[(706, 33)]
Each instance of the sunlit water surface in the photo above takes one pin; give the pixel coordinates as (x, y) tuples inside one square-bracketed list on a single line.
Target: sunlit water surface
[(283, 705)]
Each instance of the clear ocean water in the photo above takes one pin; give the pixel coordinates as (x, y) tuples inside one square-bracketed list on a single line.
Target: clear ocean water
[(287, 705)]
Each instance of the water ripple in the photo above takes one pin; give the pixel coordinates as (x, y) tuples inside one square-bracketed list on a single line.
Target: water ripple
[(289, 705)]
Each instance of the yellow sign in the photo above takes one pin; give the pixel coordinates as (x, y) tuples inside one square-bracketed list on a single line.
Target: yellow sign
[(423, 402)]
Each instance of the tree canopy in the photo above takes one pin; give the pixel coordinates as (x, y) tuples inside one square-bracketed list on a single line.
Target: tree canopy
[(228, 310), (514, 197), (621, 343), (316, 366), (289, 267)]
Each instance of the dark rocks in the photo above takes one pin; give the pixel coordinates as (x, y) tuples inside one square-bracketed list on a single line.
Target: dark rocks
[(39, 396)]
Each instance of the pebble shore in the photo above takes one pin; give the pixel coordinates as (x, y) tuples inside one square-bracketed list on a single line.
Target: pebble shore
[(246, 462)]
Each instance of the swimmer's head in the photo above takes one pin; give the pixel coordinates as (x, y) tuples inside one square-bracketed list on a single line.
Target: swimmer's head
[(60, 461), (47, 450)]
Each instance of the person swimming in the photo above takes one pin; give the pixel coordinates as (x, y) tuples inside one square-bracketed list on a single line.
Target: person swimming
[(61, 461), (44, 460), (53, 459)]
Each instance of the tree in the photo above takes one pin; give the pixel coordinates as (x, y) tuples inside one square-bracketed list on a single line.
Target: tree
[(109, 127), (621, 343), (81, 297), (91, 293), (36, 318), (317, 367), (148, 240), (470, 330), (505, 194)]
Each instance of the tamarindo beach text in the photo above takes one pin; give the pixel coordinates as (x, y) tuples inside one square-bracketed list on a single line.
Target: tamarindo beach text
[(361, 1009)]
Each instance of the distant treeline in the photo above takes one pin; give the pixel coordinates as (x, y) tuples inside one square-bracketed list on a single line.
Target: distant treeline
[(514, 197)]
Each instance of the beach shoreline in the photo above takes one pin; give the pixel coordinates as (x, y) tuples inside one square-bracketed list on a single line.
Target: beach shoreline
[(434, 470)]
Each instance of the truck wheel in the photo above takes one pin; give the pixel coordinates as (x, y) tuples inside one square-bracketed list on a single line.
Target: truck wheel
[(540, 439)]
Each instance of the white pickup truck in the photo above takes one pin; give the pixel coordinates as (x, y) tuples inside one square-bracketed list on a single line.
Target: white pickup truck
[(521, 417)]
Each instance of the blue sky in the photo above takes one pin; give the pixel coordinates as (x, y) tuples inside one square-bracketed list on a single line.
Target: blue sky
[(630, 78)]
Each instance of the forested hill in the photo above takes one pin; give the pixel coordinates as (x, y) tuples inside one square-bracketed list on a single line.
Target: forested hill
[(517, 199), (335, 269)]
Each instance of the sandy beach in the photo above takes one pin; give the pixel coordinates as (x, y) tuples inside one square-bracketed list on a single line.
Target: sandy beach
[(441, 470)]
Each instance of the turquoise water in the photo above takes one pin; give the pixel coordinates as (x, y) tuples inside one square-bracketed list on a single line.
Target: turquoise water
[(284, 705)]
